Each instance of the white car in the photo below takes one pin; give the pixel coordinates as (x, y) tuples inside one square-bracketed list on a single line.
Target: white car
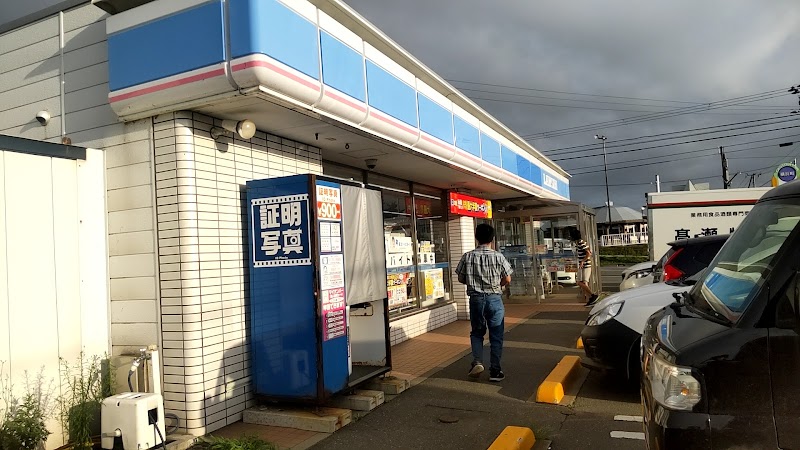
[(614, 329), (637, 275), (566, 278)]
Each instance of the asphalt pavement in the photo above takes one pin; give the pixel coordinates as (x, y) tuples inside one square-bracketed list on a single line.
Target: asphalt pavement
[(450, 411)]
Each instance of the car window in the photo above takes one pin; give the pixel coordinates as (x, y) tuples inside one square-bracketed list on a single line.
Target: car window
[(707, 252), (742, 266)]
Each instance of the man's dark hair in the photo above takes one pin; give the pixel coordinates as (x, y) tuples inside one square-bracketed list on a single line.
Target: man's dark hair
[(484, 233), (574, 234)]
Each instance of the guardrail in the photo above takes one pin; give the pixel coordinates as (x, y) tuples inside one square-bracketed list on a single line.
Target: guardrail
[(611, 240)]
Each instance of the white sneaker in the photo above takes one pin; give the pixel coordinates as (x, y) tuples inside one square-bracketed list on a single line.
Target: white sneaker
[(476, 370)]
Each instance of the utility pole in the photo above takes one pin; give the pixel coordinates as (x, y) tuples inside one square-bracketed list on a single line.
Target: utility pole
[(725, 182), (605, 169)]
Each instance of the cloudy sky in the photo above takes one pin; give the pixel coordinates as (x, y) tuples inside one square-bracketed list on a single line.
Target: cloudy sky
[(547, 66), (559, 72)]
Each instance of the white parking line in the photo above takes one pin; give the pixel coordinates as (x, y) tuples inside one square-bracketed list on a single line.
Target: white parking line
[(629, 418), (627, 435)]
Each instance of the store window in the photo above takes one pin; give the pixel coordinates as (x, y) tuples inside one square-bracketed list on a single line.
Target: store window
[(401, 270), (417, 255), (433, 256)]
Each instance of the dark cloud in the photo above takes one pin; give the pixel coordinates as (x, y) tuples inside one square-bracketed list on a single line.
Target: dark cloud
[(681, 50)]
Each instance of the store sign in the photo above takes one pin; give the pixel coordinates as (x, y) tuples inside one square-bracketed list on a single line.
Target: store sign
[(329, 203), (280, 231), (786, 172), (470, 206)]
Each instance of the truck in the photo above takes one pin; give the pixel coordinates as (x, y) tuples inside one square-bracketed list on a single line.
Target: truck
[(687, 214)]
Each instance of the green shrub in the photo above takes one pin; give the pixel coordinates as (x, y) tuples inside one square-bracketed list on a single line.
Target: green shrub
[(87, 382), (22, 419), (242, 443)]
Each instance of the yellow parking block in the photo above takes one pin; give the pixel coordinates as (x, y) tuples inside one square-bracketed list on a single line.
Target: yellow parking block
[(552, 388), (514, 438), (580, 343)]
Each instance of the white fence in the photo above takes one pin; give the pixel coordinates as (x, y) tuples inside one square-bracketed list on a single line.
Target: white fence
[(623, 239)]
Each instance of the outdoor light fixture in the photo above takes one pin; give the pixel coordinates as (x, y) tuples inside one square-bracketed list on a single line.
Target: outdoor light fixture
[(246, 129), (605, 170)]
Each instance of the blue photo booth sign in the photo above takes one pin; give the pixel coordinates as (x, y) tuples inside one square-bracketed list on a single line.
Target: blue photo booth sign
[(280, 231)]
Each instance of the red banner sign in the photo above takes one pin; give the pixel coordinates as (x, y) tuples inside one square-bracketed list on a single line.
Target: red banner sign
[(470, 206)]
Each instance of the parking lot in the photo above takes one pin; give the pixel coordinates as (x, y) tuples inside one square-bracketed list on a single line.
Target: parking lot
[(448, 410)]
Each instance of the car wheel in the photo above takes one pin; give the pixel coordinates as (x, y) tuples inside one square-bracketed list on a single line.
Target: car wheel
[(634, 370)]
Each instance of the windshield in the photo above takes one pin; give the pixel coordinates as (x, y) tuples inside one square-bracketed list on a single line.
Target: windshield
[(732, 280)]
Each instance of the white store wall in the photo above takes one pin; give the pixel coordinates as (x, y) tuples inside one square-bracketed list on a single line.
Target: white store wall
[(53, 295)]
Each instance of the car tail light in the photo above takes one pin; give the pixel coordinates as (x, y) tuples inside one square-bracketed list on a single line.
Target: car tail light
[(670, 271)]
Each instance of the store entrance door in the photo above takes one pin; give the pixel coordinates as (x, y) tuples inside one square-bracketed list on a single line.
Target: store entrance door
[(537, 243)]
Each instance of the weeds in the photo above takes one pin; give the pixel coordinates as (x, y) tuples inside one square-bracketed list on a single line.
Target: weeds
[(22, 419), (242, 443)]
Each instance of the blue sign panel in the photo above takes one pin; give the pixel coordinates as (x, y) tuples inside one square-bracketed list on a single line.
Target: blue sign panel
[(280, 231), (787, 173)]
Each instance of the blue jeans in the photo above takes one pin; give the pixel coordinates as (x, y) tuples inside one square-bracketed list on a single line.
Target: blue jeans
[(487, 311)]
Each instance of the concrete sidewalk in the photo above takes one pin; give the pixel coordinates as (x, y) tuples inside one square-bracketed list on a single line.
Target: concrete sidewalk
[(440, 359)]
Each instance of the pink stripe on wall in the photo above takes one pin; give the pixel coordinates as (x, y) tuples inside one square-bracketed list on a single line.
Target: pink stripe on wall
[(276, 69), (347, 102), (167, 85)]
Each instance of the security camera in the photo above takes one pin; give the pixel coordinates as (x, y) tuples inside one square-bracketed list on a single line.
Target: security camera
[(371, 163), (43, 117)]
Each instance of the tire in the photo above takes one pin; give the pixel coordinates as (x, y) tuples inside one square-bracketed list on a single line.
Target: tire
[(634, 369)]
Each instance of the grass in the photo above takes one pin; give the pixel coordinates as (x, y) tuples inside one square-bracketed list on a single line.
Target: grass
[(242, 443), (542, 433)]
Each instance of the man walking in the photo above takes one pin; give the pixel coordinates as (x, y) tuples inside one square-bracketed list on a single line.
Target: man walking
[(584, 266), (485, 272)]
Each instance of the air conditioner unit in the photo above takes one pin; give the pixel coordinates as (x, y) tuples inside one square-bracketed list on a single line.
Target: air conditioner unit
[(135, 419)]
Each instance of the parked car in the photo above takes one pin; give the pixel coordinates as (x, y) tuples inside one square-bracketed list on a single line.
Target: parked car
[(637, 275), (566, 278), (686, 257), (721, 366), (613, 331)]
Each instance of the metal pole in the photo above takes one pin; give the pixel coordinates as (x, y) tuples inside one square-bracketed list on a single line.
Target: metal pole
[(608, 196)]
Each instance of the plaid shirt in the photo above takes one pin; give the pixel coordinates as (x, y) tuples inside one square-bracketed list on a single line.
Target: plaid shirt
[(481, 270)]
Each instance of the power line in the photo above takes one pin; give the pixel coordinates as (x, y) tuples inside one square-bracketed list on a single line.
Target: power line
[(678, 143), (715, 149), (515, 94), (637, 184), (571, 93), (661, 115), (615, 109), (636, 140), (674, 154)]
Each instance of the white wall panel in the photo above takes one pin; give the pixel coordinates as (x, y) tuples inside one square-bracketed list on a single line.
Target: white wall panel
[(30, 54), (28, 35), (5, 350), (67, 252), (31, 268), (94, 253)]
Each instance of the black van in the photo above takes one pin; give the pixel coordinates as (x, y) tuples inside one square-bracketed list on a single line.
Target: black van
[(721, 367)]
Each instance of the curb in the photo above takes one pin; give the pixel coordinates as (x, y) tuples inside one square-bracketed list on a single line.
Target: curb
[(552, 388), (514, 438)]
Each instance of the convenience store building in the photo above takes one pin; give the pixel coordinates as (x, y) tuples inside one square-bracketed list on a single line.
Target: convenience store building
[(125, 126)]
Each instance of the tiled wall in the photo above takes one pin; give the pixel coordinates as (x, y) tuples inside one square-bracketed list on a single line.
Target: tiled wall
[(202, 242), (412, 326), (462, 240)]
